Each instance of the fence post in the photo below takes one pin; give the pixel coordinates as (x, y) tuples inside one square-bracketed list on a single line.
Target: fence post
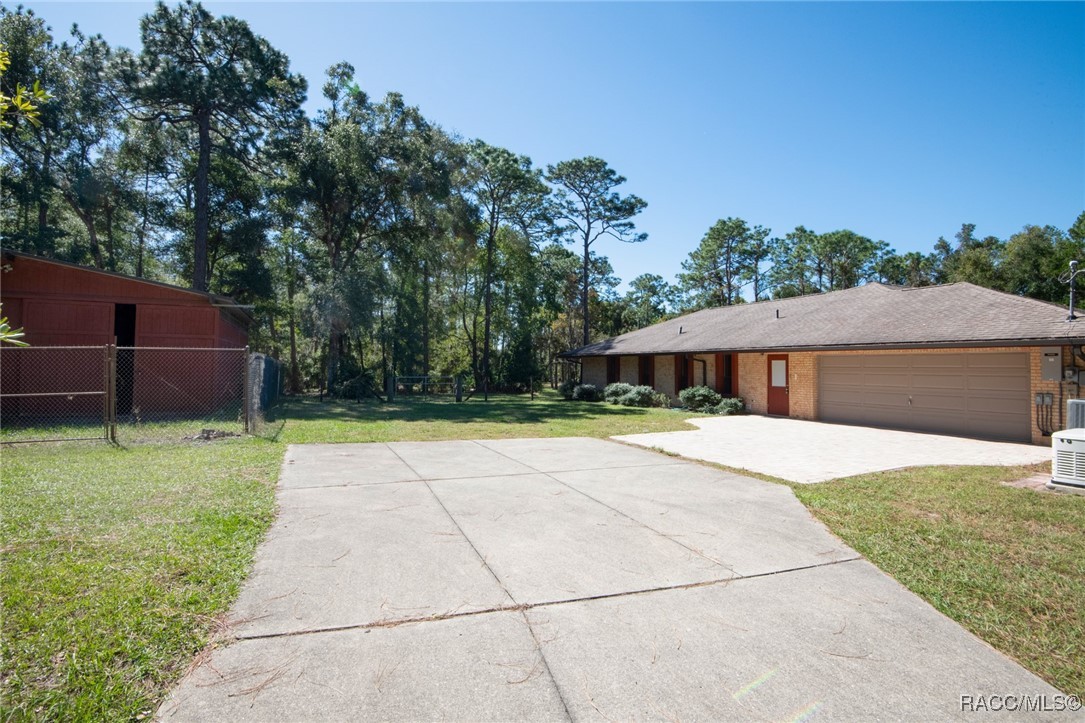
[(247, 397), (105, 391), (112, 393), (459, 387), (390, 387)]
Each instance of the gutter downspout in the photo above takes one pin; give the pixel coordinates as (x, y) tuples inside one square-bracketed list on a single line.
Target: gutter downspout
[(704, 370)]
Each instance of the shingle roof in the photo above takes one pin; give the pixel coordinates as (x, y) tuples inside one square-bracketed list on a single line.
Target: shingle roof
[(874, 315)]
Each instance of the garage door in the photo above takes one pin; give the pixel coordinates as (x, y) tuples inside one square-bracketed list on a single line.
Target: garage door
[(975, 395)]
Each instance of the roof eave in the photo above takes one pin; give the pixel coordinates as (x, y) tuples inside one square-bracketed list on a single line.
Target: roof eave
[(965, 344)]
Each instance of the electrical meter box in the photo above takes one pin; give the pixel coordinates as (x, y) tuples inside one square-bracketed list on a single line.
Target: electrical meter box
[(1051, 367)]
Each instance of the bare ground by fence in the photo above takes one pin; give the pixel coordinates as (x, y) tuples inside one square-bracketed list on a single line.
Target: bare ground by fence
[(128, 394)]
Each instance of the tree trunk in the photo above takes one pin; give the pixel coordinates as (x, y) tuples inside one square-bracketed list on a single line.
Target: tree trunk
[(425, 318), (43, 204), (143, 224), (109, 246), (333, 359), (203, 200), (92, 233), (397, 361), (384, 347), (584, 293), (491, 241), (295, 373)]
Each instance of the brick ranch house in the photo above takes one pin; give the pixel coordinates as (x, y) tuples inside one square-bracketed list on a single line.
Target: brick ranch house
[(954, 359)]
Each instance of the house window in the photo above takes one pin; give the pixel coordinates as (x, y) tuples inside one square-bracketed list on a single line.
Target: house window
[(614, 369), (646, 371)]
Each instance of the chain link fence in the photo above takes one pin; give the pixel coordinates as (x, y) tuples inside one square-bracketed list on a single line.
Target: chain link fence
[(57, 392), (131, 394)]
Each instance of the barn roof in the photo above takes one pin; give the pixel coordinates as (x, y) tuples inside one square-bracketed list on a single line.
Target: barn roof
[(871, 316), (228, 304)]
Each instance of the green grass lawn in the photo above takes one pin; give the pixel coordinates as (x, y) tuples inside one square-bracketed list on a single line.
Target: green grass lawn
[(306, 419), (117, 566), (1007, 563)]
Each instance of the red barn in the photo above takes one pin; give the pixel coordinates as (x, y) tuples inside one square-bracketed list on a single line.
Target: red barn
[(58, 304)]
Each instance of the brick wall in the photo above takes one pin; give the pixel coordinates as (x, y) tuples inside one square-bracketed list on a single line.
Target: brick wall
[(594, 371), (630, 370), (1070, 391), (802, 382), (665, 374), (753, 382), (802, 398)]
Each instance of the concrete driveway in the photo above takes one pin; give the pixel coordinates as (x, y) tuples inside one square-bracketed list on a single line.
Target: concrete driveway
[(800, 451), (569, 579)]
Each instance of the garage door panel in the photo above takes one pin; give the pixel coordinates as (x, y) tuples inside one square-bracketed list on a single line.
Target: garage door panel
[(998, 360), (955, 403), (846, 397), (892, 377), (985, 395), (849, 414), (998, 405), (885, 398), (934, 383), (883, 362), (995, 384), (999, 428), (921, 362), (838, 378)]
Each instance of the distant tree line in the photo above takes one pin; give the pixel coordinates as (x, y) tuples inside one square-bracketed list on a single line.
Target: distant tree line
[(735, 263), (369, 240)]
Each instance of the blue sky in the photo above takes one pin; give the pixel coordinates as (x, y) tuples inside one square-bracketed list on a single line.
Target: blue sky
[(897, 120)]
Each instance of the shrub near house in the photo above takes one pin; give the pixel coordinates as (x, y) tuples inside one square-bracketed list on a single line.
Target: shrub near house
[(706, 401), (628, 395)]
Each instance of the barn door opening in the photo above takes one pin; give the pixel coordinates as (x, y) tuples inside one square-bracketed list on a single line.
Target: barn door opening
[(124, 331)]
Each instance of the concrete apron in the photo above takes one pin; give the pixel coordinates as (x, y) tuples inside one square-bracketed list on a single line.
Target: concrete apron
[(569, 578), (800, 451)]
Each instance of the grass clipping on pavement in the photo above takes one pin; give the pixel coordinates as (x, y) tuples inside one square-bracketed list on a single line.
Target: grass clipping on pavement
[(117, 567), (1007, 563)]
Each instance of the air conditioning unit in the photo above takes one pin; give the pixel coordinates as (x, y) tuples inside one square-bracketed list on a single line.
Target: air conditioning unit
[(1068, 459), (1075, 414)]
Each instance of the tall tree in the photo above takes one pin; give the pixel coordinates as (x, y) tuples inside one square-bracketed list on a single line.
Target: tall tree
[(909, 269), (1077, 230), (648, 299), (355, 173), (793, 272), (845, 259), (85, 140), (715, 271), (588, 202), (501, 182), (758, 251), (217, 77), (32, 58), (1033, 260)]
